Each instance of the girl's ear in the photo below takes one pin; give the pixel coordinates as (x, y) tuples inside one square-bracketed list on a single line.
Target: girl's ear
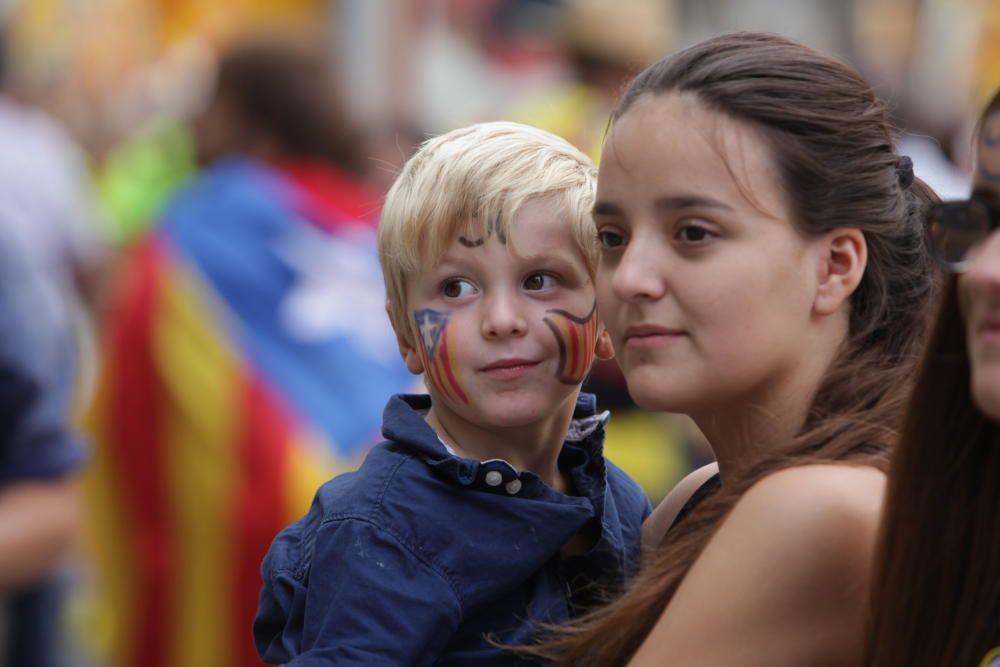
[(603, 348), (842, 262), (407, 348)]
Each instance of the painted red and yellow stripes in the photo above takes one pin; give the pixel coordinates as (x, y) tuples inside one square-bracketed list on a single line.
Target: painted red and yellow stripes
[(198, 465), (576, 337), (441, 372)]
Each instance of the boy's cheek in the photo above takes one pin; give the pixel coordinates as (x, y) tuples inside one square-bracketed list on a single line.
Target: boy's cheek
[(435, 346), (576, 338)]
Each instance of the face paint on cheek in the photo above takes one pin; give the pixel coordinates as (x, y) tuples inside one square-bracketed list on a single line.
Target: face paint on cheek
[(576, 337), (441, 374)]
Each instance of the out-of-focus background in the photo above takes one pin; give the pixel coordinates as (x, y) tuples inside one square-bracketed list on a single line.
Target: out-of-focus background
[(228, 360)]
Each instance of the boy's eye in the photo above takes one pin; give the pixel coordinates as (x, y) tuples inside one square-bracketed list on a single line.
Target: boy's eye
[(539, 281), (455, 288), (609, 239)]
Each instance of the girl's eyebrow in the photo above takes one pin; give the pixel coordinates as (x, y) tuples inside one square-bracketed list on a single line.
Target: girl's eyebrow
[(667, 202), (690, 201)]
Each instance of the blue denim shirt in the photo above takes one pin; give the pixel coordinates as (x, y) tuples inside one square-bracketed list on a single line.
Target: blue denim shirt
[(422, 558)]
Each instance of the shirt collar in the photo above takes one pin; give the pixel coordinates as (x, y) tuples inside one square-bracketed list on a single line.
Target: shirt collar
[(403, 422)]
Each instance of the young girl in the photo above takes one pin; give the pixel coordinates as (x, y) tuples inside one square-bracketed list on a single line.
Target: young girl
[(764, 269), (937, 576)]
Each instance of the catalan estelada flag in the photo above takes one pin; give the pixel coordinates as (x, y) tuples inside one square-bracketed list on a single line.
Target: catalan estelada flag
[(246, 359), (433, 346), (576, 337)]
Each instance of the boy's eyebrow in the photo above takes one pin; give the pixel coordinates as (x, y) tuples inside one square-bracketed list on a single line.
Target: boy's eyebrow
[(547, 254), (670, 203)]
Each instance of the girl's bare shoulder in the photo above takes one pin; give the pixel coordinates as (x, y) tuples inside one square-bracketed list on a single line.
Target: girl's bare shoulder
[(826, 514)]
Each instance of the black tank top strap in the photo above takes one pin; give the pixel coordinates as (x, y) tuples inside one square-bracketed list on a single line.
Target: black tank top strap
[(707, 488)]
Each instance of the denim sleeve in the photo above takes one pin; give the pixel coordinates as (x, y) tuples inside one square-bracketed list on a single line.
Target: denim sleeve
[(362, 597)]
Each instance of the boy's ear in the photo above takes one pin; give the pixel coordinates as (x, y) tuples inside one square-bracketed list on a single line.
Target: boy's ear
[(603, 348), (404, 340), (842, 262)]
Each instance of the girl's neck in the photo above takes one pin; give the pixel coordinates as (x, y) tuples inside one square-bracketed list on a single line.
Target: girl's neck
[(742, 437)]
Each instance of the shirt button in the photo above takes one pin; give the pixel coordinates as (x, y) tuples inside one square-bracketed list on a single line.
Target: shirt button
[(494, 478), (513, 486)]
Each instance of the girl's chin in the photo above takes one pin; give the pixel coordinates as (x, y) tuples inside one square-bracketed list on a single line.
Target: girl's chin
[(660, 396)]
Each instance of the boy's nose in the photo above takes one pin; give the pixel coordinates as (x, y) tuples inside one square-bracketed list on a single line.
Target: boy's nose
[(503, 317)]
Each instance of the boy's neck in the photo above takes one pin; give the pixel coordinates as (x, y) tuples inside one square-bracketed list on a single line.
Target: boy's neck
[(530, 448)]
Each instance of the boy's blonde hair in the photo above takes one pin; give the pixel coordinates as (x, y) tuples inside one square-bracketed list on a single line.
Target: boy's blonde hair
[(471, 182)]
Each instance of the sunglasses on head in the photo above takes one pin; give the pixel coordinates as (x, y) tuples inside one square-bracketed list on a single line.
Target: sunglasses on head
[(956, 227)]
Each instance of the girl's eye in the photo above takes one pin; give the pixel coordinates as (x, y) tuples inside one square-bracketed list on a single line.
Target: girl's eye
[(694, 234), (456, 288), (539, 281), (610, 239)]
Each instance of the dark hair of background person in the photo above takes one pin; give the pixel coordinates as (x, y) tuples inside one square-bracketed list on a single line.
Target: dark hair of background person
[(936, 590), (289, 91), (831, 141)]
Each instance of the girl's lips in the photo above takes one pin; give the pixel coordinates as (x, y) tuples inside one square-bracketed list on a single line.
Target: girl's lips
[(646, 336)]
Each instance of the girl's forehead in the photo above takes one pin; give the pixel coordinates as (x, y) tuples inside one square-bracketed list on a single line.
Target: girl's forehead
[(680, 145)]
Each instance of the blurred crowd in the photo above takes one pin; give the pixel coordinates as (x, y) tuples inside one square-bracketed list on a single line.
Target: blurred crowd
[(192, 310)]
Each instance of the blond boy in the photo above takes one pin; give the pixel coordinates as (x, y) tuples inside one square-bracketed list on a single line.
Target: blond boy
[(489, 509)]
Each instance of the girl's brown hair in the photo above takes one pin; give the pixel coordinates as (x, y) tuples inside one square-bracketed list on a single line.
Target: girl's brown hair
[(936, 590), (830, 139)]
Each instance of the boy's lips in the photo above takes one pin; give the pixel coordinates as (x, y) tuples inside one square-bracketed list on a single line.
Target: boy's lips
[(506, 369)]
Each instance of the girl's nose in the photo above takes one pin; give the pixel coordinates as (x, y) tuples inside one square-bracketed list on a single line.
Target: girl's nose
[(638, 275)]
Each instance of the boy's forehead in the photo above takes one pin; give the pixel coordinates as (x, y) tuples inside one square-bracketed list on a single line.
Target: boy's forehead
[(987, 175)]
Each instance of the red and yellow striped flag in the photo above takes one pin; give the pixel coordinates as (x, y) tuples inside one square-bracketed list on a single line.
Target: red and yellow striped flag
[(433, 349), (576, 337), (212, 424)]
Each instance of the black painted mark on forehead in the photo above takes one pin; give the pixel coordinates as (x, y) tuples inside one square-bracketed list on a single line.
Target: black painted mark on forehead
[(494, 228), (498, 230)]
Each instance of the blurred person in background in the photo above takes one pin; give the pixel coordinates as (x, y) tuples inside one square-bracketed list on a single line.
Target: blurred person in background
[(39, 504), (604, 45), (47, 203), (46, 194), (936, 596), (247, 358)]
